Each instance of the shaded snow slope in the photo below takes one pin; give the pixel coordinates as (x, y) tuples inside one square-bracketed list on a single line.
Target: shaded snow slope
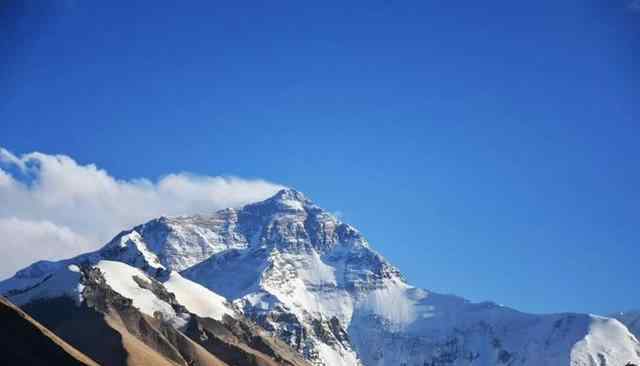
[(631, 319)]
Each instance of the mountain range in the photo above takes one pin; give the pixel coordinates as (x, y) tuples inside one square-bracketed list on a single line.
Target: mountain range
[(285, 282)]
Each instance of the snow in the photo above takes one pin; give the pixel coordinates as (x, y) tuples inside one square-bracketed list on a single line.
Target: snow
[(63, 282), (607, 343), (631, 320), (337, 357), (134, 238), (197, 298), (246, 268), (311, 288), (182, 242), (312, 270), (30, 276), (391, 303), (293, 205), (120, 277)]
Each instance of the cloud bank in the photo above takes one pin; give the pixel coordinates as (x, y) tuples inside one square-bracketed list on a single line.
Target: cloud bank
[(51, 207)]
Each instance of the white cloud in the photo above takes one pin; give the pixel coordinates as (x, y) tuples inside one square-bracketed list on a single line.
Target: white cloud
[(51, 207), (25, 241)]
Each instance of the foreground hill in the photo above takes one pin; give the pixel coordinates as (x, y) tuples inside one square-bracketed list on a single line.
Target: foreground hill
[(25, 342), (295, 272)]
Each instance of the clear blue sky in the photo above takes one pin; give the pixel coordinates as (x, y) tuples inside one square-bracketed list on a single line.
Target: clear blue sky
[(489, 149)]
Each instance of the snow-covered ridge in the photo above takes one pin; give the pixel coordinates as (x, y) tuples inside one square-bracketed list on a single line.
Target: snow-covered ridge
[(316, 283), (198, 299), (134, 284), (631, 319)]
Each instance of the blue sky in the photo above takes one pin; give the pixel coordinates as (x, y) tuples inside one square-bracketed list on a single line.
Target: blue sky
[(487, 149)]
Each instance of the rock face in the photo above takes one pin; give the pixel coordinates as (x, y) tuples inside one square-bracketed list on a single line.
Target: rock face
[(315, 283)]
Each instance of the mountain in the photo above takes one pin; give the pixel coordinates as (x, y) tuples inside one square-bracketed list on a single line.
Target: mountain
[(294, 271), (26, 342), (119, 315)]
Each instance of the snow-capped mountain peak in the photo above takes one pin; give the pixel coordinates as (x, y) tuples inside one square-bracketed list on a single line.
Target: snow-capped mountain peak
[(317, 284), (288, 197)]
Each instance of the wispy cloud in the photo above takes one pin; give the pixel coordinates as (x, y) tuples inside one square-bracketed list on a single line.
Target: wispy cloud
[(52, 207)]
